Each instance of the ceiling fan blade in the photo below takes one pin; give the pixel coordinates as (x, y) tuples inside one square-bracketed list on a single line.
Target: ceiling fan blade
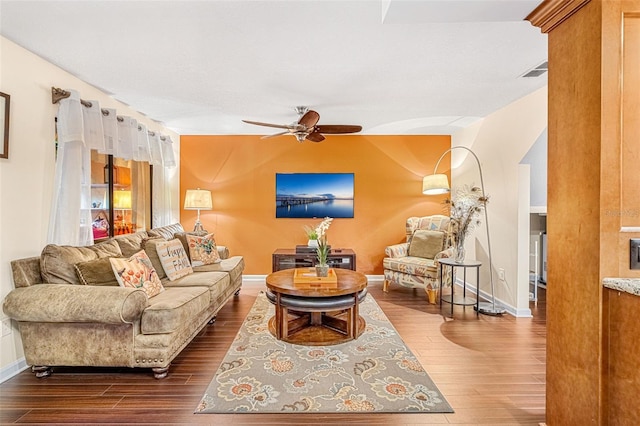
[(277, 126), (315, 137), (338, 128), (275, 134), (309, 119)]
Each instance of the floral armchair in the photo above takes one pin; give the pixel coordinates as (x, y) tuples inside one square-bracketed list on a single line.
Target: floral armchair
[(415, 264)]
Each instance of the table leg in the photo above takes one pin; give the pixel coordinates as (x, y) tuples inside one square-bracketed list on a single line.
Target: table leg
[(284, 323), (278, 317), (440, 290), (355, 312), (478, 289), (464, 283), (316, 318), (453, 284)]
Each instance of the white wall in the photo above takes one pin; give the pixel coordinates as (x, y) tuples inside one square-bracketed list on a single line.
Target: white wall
[(502, 140), (536, 157), (26, 176)]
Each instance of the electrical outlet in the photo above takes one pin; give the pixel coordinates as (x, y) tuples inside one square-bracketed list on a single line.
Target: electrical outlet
[(6, 327), (634, 253), (501, 274)]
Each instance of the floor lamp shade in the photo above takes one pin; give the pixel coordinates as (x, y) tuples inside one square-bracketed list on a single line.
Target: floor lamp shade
[(435, 184), (198, 199)]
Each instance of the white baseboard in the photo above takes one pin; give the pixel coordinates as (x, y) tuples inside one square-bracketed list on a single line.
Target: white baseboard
[(510, 309), (12, 369)]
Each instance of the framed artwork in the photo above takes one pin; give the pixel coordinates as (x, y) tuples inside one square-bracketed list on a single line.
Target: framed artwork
[(4, 125), (314, 195)]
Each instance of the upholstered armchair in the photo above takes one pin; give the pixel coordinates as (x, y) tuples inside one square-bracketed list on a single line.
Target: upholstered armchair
[(415, 263)]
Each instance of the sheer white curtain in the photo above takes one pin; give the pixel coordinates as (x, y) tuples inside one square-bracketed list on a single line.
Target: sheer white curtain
[(83, 126), (70, 219), (162, 158)]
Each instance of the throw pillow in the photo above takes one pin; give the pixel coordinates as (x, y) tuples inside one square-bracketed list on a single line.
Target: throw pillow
[(150, 247), (174, 259), (57, 262), (167, 232), (203, 250), (96, 272), (425, 243), (137, 272)]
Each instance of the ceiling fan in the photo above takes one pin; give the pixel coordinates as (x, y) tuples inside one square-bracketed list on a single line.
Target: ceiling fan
[(307, 127)]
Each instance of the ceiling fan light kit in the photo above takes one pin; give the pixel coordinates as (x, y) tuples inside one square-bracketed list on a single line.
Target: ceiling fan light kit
[(307, 128)]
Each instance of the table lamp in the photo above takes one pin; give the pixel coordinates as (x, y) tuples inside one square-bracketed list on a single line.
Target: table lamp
[(122, 201), (198, 199)]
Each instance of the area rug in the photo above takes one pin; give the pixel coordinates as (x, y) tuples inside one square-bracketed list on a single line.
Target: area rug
[(375, 373)]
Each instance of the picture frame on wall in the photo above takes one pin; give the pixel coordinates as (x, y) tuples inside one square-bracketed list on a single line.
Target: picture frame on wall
[(314, 195), (4, 125)]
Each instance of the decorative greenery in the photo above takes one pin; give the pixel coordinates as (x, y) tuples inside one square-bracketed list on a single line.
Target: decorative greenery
[(466, 207), (310, 232), (323, 248)]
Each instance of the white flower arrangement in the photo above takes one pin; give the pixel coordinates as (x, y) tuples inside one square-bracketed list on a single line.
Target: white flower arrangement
[(323, 248)]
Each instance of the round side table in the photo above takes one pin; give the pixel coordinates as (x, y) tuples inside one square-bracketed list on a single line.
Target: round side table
[(456, 299)]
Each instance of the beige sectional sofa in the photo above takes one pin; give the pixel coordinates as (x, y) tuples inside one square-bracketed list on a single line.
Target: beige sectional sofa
[(70, 320)]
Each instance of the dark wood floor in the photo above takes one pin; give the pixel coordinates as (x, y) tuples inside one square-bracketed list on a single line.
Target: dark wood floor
[(490, 369)]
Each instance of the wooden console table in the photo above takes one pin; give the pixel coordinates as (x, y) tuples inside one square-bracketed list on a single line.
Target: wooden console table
[(289, 259)]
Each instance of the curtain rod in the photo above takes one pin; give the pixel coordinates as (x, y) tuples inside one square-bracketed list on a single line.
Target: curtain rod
[(58, 94)]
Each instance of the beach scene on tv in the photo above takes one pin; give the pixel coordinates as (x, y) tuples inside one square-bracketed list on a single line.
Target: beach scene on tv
[(314, 195)]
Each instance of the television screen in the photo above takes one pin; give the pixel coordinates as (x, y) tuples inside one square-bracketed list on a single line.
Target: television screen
[(314, 195)]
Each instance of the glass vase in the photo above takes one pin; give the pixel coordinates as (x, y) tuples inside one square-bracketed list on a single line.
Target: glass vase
[(459, 256), (322, 270)]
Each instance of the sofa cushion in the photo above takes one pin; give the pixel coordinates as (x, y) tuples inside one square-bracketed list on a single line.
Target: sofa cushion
[(174, 308), (96, 272), (130, 244), (217, 282), (202, 250), (174, 259), (167, 232), (411, 265), (233, 266), (57, 262), (150, 246), (426, 243), (137, 272)]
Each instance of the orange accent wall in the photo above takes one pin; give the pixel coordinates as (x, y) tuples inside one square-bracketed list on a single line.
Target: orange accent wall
[(240, 172)]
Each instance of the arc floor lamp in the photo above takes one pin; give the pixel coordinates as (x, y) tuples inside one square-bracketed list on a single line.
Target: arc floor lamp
[(435, 184)]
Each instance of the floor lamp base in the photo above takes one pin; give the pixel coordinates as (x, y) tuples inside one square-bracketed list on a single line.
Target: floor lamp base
[(489, 308)]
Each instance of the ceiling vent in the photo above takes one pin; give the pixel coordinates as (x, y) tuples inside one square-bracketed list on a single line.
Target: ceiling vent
[(537, 71)]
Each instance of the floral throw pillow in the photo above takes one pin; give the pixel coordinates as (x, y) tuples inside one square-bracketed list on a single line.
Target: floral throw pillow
[(137, 272), (174, 259), (203, 250)]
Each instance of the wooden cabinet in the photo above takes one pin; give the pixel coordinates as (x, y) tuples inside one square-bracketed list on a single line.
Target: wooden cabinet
[(289, 258), (621, 331)]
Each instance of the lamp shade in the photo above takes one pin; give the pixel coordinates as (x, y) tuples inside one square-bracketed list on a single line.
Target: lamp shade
[(122, 199), (435, 184), (198, 199)]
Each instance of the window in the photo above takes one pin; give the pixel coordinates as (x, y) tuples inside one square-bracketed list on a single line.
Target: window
[(120, 196)]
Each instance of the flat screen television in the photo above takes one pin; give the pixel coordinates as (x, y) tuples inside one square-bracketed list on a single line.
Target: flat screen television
[(314, 195)]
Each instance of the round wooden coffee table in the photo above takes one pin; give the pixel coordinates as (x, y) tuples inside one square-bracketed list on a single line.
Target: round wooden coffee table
[(318, 315)]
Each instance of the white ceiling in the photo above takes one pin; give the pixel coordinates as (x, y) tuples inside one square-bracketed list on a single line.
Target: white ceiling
[(200, 67)]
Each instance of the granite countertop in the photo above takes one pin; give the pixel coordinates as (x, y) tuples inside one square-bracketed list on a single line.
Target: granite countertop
[(628, 285)]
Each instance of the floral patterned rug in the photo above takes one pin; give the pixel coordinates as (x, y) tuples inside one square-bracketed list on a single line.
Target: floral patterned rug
[(376, 372)]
